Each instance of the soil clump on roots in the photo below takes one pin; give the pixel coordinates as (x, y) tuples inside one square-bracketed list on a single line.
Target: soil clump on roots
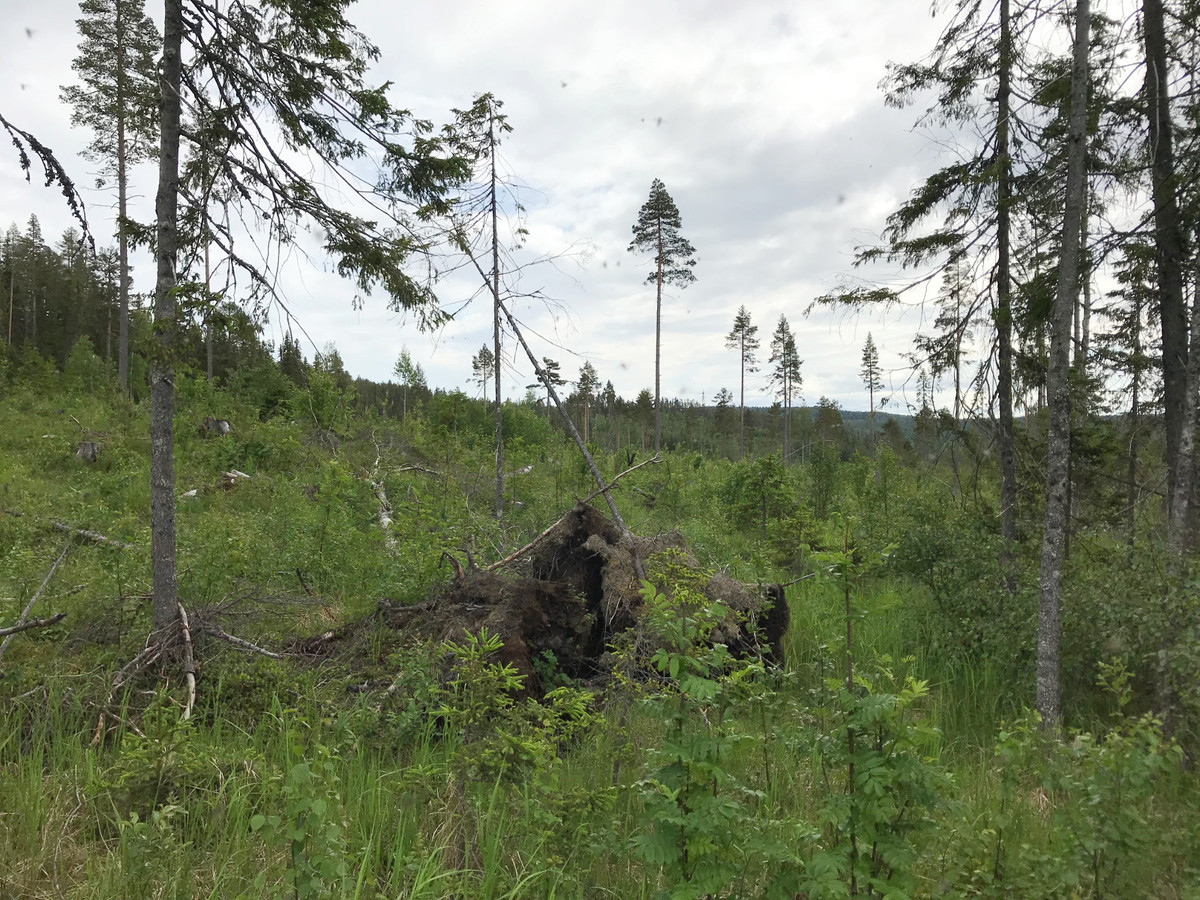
[(576, 592)]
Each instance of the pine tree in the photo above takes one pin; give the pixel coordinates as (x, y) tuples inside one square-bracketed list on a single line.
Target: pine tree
[(657, 232), (743, 337), (785, 375), (483, 368), (118, 101), (586, 387)]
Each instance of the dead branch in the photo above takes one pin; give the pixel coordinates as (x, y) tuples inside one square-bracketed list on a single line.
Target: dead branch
[(458, 569), (30, 624), (189, 662), (93, 537), (304, 584), (138, 664), (421, 469), (651, 461), (240, 643), (517, 554), (14, 629), (385, 509)]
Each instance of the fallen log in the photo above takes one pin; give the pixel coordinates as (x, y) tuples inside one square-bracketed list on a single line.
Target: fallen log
[(93, 537)]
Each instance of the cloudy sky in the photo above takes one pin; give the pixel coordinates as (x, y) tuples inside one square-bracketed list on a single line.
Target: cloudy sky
[(763, 118)]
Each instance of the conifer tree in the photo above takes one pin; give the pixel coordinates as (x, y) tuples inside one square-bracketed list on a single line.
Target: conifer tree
[(657, 232), (118, 101), (743, 337), (268, 86), (483, 368), (1049, 694), (785, 375), (586, 387), (872, 377)]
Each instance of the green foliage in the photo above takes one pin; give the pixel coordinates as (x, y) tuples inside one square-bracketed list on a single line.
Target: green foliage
[(311, 829), (84, 370), (701, 830), (876, 751)]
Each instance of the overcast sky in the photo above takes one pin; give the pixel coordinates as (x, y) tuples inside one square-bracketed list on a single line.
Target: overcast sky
[(763, 118)]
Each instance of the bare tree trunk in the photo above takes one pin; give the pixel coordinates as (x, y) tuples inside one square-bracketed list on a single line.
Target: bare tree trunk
[(1168, 236), (122, 211), (499, 501), (1134, 410), (658, 349), (162, 386), (1008, 466), (1058, 454)]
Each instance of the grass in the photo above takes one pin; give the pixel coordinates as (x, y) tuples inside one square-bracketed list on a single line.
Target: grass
[(411, 821)]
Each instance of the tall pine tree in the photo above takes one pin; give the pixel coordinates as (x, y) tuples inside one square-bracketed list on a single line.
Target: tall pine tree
[(118, 100), (657, 232)]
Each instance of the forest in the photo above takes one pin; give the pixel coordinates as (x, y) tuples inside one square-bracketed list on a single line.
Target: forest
[(271, 630)]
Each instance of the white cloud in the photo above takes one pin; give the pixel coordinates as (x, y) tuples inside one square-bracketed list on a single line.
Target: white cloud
[(763, 118)]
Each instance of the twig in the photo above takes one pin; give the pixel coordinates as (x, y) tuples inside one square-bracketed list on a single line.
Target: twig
[(29, 624), (94, 537), (241, 643), (189, 662), (649, 462), (8, 633), (304, 584), (518, 553), (140, 662), (798, 580)]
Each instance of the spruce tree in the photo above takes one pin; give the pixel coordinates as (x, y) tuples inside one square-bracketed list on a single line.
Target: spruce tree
[(270, 86), (118, 100), (657, 232)]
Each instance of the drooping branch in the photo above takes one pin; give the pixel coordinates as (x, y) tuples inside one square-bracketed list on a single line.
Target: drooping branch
[(26, 144)]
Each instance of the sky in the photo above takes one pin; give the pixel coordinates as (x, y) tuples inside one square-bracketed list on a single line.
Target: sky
[(763, 118)]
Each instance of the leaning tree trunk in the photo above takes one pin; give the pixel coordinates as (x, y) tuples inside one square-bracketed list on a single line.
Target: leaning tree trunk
[(1058, 454), (162, 387)]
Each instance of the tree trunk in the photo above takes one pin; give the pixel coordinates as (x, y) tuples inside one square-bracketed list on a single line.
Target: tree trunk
[(658, 349), (1134, 411), (162, 386), (1049, 697), (122, 211), (1008, 467), (499, 500), (1168, 237)]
